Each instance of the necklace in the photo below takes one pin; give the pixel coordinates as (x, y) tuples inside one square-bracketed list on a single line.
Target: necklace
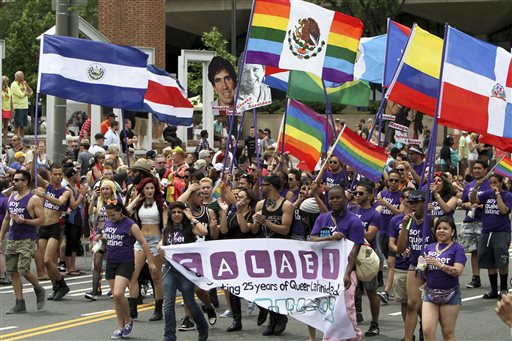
[(443, 250), (148, 204)]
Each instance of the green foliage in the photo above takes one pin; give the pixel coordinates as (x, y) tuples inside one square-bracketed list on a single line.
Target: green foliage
[(212, 41), (373, 13), (27, 20)]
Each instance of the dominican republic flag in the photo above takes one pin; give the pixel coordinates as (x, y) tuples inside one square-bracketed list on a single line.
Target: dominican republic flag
[(476, 93), (166, 98), (92, 72)]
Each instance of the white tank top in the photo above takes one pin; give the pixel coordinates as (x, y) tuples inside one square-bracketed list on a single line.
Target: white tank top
[(150, 215)]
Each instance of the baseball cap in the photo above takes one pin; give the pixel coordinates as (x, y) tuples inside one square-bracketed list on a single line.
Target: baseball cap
[(26, 142), (178, 150), (110, 114), (151, 154), (19, 154), (99, 136), (415, 196), (199, 163)]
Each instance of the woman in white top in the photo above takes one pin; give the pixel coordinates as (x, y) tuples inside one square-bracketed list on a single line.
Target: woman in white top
[(42, 159), (150, 213)]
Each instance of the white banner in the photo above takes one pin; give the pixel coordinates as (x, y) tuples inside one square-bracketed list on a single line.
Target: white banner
[(397, 126), (301, 279)]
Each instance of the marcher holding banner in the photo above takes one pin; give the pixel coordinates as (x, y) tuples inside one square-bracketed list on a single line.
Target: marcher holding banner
[(182, 228), (274, 217), (341, 224)]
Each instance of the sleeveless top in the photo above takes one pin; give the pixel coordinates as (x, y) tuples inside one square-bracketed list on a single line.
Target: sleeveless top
[(43, 163), (119, 240), (234, 231), (149, 215), (275, 217), (19, 208), (55, 193)]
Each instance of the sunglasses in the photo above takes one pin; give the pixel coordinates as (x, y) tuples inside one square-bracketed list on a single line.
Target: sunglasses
[(401, 169), (333, 162), (304, 188), (393, 180), (16, 180), (359, 193)]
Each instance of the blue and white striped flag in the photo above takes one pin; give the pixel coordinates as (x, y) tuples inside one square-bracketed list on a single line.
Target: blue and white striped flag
[(92, 72)]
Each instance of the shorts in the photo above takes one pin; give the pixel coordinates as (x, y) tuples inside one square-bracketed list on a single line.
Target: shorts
[(493, 250), (6, 114), (384, 245), (21, 118), (456, 299), (371, 285), (124, 269), (400, 285), (19, 254), (152, 242), (141, 126), (50, 231), (469, 235)]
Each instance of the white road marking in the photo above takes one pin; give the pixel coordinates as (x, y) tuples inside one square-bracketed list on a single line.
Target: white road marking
[(98, 312), (7, 328)]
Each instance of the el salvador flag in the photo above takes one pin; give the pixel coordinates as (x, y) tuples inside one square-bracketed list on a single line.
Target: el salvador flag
[(92, 72), (476, 84)]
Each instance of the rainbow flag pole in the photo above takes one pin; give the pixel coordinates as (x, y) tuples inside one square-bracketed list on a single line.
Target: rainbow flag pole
[(328, 156), (502, 167)]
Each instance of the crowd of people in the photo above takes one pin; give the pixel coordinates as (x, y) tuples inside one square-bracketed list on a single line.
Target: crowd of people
[(130, 208)]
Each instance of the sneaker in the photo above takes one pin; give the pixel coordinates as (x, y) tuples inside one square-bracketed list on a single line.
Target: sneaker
[(251, 306), (5, 281), (373, 330), (475, 283), (117, 334), (18, 308), (61, 292), (127, 330), (91, 296), (226, 314), (359, 317), (212, 316), (384, 296), (186, 325), (203, 337), (62, 267), (40, 297), (109, 294)]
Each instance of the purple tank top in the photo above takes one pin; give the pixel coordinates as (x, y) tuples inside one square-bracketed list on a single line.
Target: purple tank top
[(54, 193), (119, 240), (19, 208)]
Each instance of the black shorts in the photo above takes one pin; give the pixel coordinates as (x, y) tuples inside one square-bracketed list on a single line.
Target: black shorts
[(493, 250), (124, 269), (50, 231), (383, 243)]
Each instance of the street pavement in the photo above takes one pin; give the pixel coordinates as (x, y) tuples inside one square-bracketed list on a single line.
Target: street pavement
[(75, 318)]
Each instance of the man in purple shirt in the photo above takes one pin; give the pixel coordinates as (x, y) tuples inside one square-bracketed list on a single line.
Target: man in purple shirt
[(24, 214), (336, 225), (472, 225), (371, 220)]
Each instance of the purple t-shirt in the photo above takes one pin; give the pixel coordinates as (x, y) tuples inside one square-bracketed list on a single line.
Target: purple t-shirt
[(437, 211), (331, 179), (394, 199), (436, 278), (19, 208), (177, 237), (369, 217), (119, 240), (3, 206), (395, 225), (348, 224), (419, 168), (465, 198), (492, 219), (55, 193), (415, 243)]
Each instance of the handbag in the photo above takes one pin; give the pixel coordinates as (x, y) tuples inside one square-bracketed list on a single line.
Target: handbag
[(367, 263), (440, 296)]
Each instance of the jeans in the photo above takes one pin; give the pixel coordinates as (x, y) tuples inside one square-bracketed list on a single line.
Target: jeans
[(174, 280)]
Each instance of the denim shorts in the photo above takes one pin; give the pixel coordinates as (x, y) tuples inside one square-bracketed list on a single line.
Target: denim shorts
[(152, 242), (456, 299), (21, 118)]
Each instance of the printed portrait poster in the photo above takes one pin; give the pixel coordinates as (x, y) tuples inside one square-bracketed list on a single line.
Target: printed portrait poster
[(301, 279), (408, 124), (253, 92), (223, 78)]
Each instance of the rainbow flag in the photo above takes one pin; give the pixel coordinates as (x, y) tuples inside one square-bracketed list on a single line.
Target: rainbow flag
[(504, 167), (364, 157), (416, 79), (216, 190), (303, 133), (298, 35)]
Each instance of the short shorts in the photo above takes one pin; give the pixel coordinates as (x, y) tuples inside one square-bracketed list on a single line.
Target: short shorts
[(493, 250), (469, 235), (400, 285), (21, 117), (152, 242), (19, 254), (50, 231), (456, 299), (124, 269), (372, 284)]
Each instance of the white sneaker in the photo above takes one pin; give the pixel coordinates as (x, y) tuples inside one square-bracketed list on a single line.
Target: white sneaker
[(227, 314)]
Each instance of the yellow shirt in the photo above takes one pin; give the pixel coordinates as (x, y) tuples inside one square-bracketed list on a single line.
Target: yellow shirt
[(6, 99), (19, 97)]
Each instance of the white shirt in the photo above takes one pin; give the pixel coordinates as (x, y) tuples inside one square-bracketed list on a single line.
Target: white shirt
[(111, 137)]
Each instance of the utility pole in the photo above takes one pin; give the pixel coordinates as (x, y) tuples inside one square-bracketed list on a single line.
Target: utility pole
[(66, 24)]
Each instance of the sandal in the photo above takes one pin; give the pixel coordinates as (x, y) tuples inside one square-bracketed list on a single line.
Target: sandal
[(74, 273), (45, 278), (491, 295)]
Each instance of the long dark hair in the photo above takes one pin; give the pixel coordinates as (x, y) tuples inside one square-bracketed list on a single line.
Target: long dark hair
[(160, 204), (169, 228)]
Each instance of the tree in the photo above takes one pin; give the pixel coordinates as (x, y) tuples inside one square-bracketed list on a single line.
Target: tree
[(373, 13)]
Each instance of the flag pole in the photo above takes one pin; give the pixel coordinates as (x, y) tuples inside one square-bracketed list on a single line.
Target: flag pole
[(34, 158), (283, 126), (127, 149), (255, 125), (433, 141), (489, 173), (328, 112), (329, 154), (240, 73)]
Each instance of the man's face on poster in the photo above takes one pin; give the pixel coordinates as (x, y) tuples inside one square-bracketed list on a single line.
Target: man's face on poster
[(252, 77), (224, 87)]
